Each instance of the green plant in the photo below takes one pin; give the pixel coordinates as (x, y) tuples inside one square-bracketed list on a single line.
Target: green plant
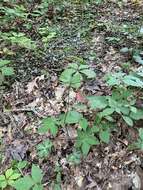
[(85, 140), (47, 34), (122, 102), (5, 70), (44, 148), (121, 79), (49, 124), (18, 38), (56, 185), (74, 158), (33, 181), (9, 178), (73, 75)]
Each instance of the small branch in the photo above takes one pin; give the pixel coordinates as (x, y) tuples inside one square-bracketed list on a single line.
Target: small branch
[(26, 110)]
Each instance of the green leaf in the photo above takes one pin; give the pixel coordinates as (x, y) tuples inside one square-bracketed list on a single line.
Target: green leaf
[(92, 140), (107, 111), (22, 164), (133, 81), (141, 133), (73, 66), (133, 109), (85, 148), (3, 184), (66, 76), (115, 79), (82, 67), (76, 80), (97, 102), (83, 123), (124, 110), (89, 73), (37, 187), (57, 187), (138, 59), (9, 173), (44, 148), (49, 124), (24, 183), (128, 120), (4, 62), (7, 71), (36, 174), (104, 136), (124, 50), (2, 178), (73, 117), (14, 176), (85, 140), (138, 115), (10, 182)]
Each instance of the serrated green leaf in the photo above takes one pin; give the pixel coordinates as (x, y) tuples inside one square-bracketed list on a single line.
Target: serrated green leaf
[(2, 178), (66, 76), (14, 176), (73, 117), (133, 81), (128, 120), (36, 174), (4, 62), (92, 140), (73, 66), (138, 115), (83, 123), (97, 102), (37, 187), (22, 164), (138, 59), (104, 136), (24, 183), (124, 110), (57, 187), (44, 148), (7, 71), (107, 112), (9, 173), (3, 184), (49, 124), (89, 73), (76, 80), (85, 148), (133, 109), (82, 67), (10, 182)]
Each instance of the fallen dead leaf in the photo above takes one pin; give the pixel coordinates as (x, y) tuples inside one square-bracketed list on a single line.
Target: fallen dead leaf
[(31, 85)]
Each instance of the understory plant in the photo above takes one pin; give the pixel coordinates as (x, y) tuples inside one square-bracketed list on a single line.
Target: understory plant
[(105, 110), (5, 70)]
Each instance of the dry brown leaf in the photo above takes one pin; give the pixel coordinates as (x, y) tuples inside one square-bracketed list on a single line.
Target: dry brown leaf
[(31, 85)]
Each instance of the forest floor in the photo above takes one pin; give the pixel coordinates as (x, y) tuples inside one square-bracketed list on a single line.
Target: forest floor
[(96, 33)]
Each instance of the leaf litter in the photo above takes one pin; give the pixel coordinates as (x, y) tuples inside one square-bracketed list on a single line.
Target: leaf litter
[(34, 97)]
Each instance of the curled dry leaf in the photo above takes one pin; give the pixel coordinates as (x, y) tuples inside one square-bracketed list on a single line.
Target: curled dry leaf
[(31, 85)]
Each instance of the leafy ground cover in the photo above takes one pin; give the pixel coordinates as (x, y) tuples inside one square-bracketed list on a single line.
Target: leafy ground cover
[(71, 107)]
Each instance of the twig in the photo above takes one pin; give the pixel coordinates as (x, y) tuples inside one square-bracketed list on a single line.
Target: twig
[(26, 110)]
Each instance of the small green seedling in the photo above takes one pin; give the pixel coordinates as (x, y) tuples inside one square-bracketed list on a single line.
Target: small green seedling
[(30, 182), (8, 178), (44, 148)]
